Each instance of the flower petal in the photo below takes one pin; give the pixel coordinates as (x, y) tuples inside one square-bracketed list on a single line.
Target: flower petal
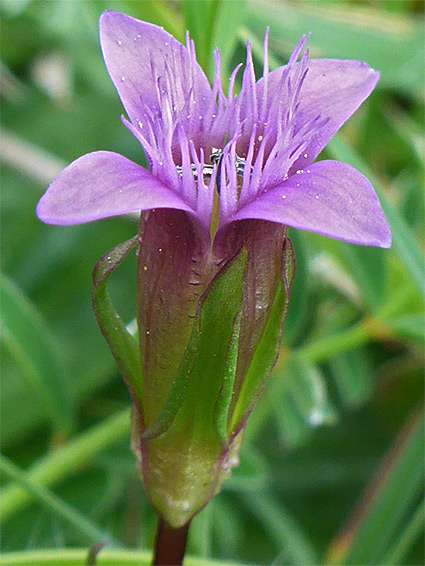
[(103, 184), (330, 198), (332, 89), (142, 58)]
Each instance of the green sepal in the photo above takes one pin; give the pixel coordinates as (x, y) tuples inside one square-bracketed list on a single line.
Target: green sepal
[(228, 286), (216, 359), (177, 392), (222, 406), (184, 465), (123, 346), (267, 351)]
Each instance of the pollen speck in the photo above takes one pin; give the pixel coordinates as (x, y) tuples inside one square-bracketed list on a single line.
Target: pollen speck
[(123, 79), (145, 268), (119, 42), (283, 196), (305, 155), (260, 138)]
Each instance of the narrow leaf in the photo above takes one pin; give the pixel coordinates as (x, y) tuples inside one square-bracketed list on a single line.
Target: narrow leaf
[(77, 556), (200, 19), (229, 18), (380, 514), (28, 339), (404, 540), (285, 531), (66, 460), (53, 503)]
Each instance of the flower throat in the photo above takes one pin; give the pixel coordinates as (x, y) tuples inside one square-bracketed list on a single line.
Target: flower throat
[(216, 158)]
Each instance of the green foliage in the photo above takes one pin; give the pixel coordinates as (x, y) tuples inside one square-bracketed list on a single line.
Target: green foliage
[(349, 379)]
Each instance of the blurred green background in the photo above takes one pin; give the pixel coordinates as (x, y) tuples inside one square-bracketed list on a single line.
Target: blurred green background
[(341, 419)]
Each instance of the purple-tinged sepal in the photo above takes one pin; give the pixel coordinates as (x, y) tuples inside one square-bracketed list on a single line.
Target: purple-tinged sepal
[(209, 318)]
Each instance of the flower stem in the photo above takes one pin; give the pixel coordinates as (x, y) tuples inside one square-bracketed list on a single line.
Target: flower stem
[(170, 545)]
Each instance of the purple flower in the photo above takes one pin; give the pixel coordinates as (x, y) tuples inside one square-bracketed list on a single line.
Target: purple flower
[(258, 146), (227, 175)]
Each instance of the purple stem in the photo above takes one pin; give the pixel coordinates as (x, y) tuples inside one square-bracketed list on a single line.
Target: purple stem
[(170, 545)]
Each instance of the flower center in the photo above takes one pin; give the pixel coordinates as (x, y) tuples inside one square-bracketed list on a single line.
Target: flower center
[(216, 158)]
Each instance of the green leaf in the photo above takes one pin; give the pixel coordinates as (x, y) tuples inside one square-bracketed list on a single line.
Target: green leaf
[(53, 503), (282, 527), (159, 13), (66, 460), (398, 483), (123, 346), (200, 20), (214, 23), (404, 540), (29, 341), (229, 294), (78, 556), (229, 18)]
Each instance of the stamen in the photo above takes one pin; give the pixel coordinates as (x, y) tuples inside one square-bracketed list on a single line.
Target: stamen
[(216, 158)]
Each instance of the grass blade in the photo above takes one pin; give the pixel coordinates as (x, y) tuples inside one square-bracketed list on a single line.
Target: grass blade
[(66, 460), (29, 341), (407, 537), (283, 528), (90, 530), (383, 509)]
